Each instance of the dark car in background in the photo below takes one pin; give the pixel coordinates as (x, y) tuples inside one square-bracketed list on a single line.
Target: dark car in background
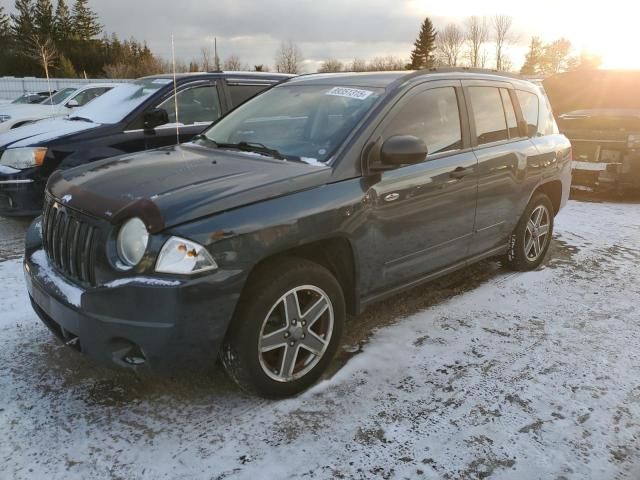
[(319, 197), (599, 111), (129, 118)]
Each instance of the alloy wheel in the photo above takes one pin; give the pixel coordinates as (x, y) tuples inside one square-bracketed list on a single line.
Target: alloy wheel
[(295, 333)]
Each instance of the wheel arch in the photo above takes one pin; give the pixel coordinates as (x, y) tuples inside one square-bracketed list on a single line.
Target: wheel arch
[(336, 254), (553, 190)]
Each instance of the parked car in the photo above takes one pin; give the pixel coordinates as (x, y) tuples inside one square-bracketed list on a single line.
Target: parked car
[(31, 98), (130, 118), (315, 199), (60, 104), (599, 111)]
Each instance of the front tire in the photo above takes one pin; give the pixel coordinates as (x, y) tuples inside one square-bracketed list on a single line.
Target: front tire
[(531, 239), (286, 329)]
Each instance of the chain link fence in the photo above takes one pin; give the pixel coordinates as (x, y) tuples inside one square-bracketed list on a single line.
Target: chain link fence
[(13, 87)]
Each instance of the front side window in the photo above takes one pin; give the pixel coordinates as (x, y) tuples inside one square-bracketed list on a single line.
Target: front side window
[(301, 121), (529, 106), (59, 97), (89, 94), (488, 115), (196, 105), (433, 116)]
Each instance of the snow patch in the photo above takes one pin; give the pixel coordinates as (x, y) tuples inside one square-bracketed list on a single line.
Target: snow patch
[(67, 198), (156, 282), (71, 293), (313, 161)]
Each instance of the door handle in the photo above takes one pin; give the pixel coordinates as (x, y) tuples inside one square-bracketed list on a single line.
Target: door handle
[(459, 173)]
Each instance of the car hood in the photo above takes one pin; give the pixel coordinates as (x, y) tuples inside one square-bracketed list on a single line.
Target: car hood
[(174, 185), (32, 111), (39, 133)]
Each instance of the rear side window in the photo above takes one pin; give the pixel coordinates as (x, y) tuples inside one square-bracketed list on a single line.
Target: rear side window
[(434, 117), (488, 114), (241, 93), (510, 113), (547, 124), (530, 110)]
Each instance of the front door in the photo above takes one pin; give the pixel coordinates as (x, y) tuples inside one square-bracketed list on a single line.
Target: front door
[(424, 213)]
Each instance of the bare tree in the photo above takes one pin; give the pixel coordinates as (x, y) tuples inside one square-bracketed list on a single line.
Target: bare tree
[(358, 65), (233, 63), (42, 50), (449, 43), (501, 31), (289, 58), (206, 56), (477, 34), (388, 63), (331, 65)]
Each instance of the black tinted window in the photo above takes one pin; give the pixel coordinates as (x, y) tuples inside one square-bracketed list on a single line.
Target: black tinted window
[(433, 116), (241, 93), (529, 106), (510, 113), (488, 115), (197, 105)]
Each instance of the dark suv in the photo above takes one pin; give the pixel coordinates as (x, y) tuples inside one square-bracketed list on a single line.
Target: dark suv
[(315, 199), (139, 116)]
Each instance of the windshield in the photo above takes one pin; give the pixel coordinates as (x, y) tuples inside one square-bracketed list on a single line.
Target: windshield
[(120, 101), (28, 98), (59, 97), (307, 122)]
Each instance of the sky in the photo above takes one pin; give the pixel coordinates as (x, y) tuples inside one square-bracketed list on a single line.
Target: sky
[(253, 29)]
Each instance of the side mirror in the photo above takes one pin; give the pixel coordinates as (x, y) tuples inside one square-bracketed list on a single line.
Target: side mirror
[(73, 103), (155, 118), (403, 150)]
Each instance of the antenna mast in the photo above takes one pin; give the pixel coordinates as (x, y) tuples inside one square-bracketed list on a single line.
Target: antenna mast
[(175, 89)]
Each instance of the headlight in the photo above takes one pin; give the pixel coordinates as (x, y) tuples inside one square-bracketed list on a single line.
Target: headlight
[(633, 141), (5, 118), (132, 241), (23, 157), (184, 257)]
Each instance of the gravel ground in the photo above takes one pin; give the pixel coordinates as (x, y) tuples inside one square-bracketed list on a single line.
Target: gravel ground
[(483, 374)]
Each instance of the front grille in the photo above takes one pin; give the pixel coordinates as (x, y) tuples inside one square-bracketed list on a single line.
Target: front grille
[(69, 242)]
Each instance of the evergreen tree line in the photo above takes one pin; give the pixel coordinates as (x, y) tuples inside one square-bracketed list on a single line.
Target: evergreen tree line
[(65, 41)]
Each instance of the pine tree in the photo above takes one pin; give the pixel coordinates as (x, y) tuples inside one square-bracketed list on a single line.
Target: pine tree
[(5, 26), (533, 58), (63, 23), (43, 18), (22, 20), (422, 55), (86, 25)]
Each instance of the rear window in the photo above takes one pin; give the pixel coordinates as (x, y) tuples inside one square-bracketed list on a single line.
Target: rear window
[(488, 114), (530, 110), (241, 93), (510, 113)]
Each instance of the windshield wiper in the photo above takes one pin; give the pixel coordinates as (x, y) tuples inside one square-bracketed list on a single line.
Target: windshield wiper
[(252, 147), (80, 119)]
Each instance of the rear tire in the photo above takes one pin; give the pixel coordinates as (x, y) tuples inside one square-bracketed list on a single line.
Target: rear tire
[(286, 329), (531, 239)]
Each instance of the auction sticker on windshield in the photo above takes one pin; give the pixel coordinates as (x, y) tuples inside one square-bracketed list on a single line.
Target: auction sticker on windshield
[(349, 93)]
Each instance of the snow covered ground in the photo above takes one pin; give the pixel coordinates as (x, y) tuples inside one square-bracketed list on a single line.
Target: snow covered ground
[(484, 374)]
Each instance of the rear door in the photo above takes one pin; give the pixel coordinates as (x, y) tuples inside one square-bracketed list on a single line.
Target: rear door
[(504, 151), (423, 214), (198, 105)]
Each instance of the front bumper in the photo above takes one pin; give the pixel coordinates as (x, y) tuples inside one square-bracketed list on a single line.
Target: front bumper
[(146, 323)]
